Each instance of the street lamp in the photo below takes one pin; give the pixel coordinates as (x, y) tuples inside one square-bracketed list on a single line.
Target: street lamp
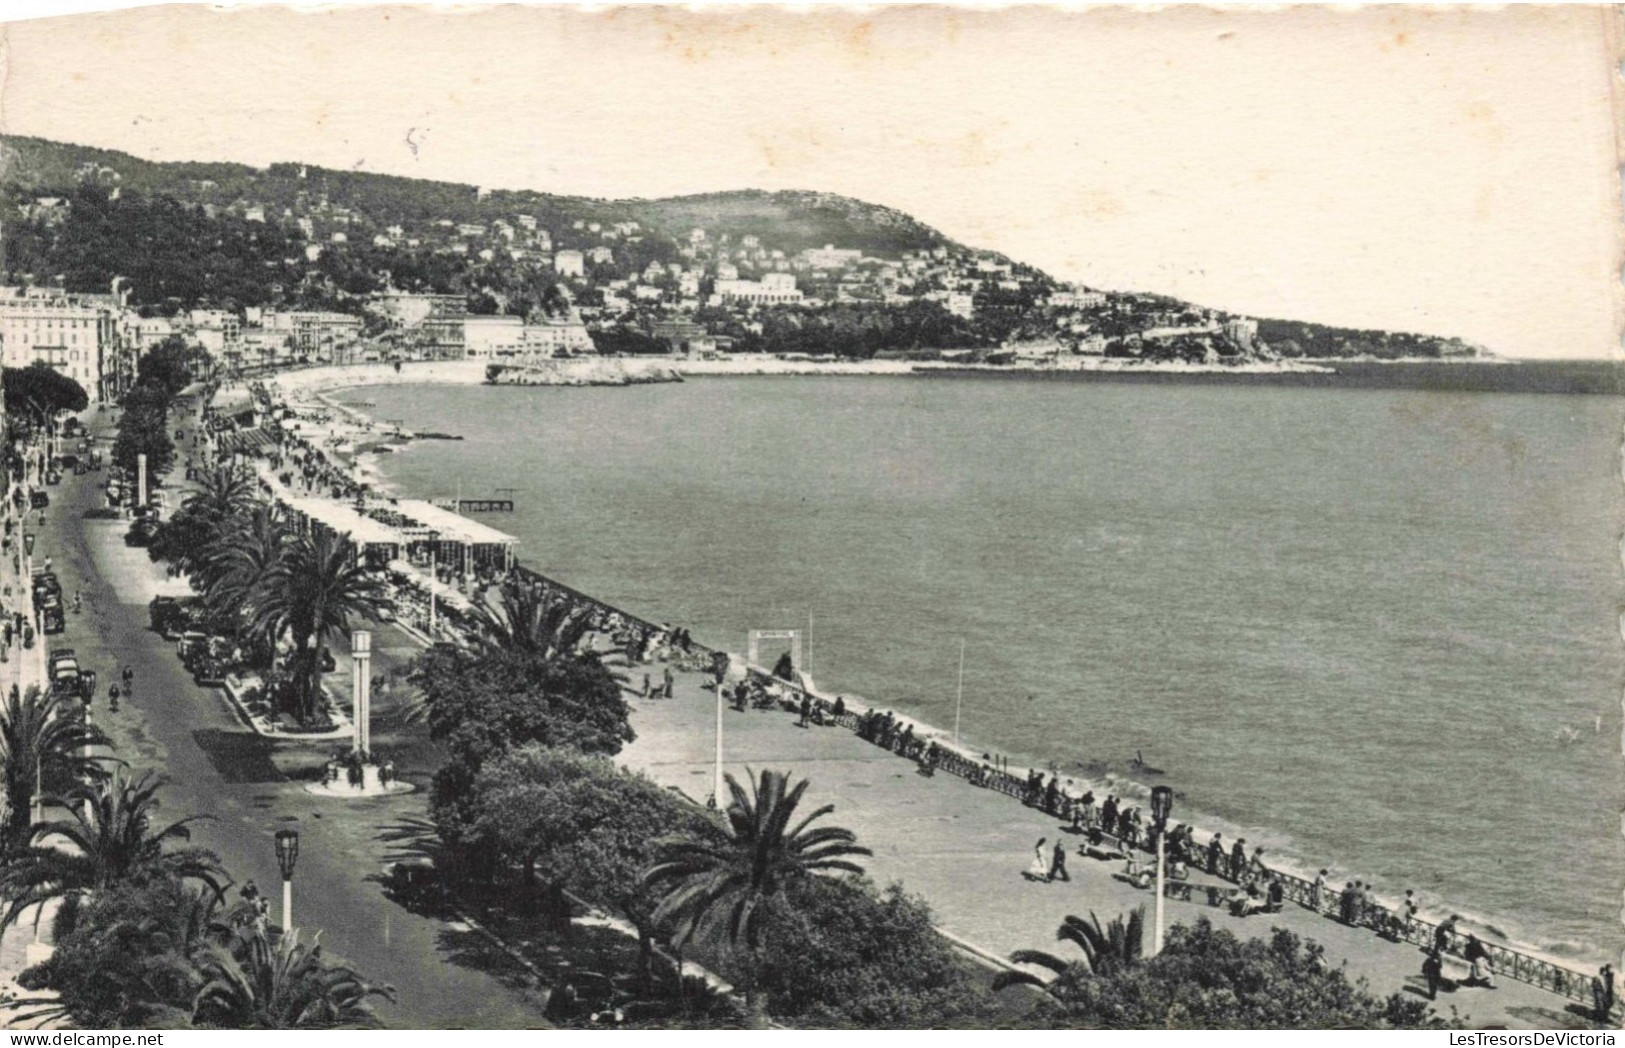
[(287, 853), (1162, 805)]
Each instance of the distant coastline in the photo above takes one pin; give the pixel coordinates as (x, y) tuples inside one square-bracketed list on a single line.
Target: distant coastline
[(1575, 377)]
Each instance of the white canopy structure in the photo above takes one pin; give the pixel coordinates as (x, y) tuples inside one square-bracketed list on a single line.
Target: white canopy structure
[(341, 519), (453, 527)]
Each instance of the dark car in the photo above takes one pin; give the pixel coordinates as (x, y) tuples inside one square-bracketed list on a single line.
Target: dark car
[(163, 614), (38, 499), (50, 612)]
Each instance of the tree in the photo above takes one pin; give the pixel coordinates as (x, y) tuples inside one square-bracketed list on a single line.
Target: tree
[(1207, 978), (131, 959), (258, 985), (144, 430), (41, 392), (42, 743), (730, 883), (107, 840), (479, 706), (170, 366), (239, 563), (1117, 947), (531, 622), (584, 826), (188, 539), (840, 954), (310, 593)]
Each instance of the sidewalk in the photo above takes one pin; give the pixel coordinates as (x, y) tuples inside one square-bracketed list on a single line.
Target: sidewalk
[(964, 849)]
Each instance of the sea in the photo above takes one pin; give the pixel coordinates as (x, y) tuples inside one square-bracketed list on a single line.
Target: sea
[(1374, 629)]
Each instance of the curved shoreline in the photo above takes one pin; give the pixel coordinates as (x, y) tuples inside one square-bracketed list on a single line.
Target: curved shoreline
[(1122, 784)]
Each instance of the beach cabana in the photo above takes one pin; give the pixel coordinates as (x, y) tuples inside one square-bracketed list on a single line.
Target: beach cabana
[(376, 540), (476, 539)]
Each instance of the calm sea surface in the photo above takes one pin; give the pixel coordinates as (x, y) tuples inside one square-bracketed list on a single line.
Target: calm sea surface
[(1374, 629)]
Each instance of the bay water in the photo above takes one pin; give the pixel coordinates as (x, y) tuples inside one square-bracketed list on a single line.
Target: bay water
[(1375, 630)]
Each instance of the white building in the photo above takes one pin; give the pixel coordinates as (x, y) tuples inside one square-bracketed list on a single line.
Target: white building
[(569, 263), (47, 326), (773, 289), (829, 256), (1077, 299), (1241, 330)]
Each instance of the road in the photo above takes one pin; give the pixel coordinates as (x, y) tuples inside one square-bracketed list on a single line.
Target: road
[(445, 974)]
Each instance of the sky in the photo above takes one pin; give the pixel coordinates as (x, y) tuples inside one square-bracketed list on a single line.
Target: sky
[(1450, 172)]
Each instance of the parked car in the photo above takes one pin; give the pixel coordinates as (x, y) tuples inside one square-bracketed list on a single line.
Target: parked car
[(163, 615), (38, 499), (50, 610)]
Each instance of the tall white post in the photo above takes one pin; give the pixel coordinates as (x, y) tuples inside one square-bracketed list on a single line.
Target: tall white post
[(1156, 940), (960, 700), (717, 785), (141, 480), (361, 684), (287, 905)]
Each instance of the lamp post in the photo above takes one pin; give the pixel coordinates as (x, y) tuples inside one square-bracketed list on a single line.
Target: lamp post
[(287, 853), (1162, 805)]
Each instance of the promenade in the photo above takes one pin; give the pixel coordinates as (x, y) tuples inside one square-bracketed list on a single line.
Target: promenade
[(964, 849)]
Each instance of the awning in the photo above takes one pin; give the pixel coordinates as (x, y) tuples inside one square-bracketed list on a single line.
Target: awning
[(453, 527), (342, 520), (245, 441)]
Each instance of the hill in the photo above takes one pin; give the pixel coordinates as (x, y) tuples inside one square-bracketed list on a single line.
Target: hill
[(186, 234)]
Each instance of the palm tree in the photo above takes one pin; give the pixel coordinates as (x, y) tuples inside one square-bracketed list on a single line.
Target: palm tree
[(1120, 945), (235, 569), (531, 622), (108, 839), (309, 594), (223, 492), (730, 881), (42, 740), (283, 986)]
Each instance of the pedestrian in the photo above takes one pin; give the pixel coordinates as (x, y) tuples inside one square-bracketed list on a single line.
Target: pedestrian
[(840, 705), (1433, 972), (1238, 860), (1215, 855), (112, 695), (1057, 864), (669, 683), (1602, 994), (1480, 972), (1039, 870), (646, 685), (1407, 914), (1317, 893), (806, 710)]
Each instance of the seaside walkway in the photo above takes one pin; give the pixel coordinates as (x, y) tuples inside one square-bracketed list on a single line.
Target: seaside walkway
[(964, 849)]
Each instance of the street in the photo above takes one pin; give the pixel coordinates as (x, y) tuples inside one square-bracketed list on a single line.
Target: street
[(444, 974)]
